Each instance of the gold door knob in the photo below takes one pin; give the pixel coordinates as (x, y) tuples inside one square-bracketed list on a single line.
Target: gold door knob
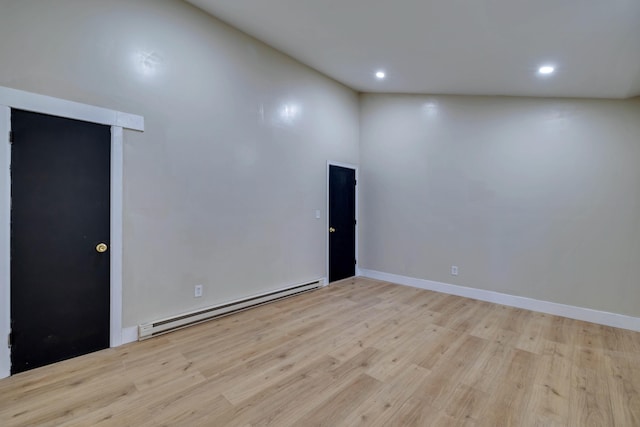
[(332, 230), (101, 247)]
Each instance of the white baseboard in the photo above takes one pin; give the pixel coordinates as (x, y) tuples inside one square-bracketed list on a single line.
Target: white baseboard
[(570, 311), (129, 334)]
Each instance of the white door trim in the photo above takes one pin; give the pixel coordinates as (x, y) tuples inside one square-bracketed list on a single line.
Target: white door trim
[(5, 230), (17, 99), (37, 103), (326, 229)]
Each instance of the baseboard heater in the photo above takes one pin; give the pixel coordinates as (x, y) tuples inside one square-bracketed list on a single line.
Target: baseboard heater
[(163, 326)]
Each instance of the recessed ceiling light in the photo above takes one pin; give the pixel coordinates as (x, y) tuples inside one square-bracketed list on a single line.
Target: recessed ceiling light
[(546, 69), (380, 75)]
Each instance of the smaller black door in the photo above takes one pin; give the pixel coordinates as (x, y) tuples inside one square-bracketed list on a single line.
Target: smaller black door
[(60, 186), (342, 223)]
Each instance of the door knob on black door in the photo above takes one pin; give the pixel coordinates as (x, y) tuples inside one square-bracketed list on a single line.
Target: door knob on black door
[(101, 247), (332, 230)]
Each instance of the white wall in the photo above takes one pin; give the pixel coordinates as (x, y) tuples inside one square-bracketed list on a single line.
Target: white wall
[(222, 187), (530, 197)]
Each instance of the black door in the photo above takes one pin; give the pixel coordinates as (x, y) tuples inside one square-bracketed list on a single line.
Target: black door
[(342, 223), (60, 195)]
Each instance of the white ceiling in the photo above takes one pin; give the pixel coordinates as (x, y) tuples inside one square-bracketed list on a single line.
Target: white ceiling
[(476, 47)]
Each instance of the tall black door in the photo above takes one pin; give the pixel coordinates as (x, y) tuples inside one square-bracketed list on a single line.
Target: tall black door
[(342, 223), (60, 195)]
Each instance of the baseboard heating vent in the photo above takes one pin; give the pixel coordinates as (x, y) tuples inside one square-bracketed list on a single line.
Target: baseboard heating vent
[(163, 326)]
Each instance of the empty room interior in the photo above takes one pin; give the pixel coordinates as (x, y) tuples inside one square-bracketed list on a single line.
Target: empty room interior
[(301, 213)]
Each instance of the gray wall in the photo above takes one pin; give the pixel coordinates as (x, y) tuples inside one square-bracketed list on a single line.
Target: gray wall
[(221, 189), (530, 197)]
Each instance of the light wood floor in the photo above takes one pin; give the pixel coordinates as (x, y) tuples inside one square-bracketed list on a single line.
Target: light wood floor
[(360, 352)]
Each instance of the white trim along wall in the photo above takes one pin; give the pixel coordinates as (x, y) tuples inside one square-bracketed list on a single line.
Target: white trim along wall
[(12, 98), (5, 230), (326, 229), (580, 313)]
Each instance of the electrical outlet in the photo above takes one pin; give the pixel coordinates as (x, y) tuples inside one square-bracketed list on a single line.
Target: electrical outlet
[(197, 291), (454, 270)]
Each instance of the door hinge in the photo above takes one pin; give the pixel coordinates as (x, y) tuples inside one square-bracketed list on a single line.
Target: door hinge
[(10, 340), (355, 222), (355, 262), (10, 137), (355, 182)]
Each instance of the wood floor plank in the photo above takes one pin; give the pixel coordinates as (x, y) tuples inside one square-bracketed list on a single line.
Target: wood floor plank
[(491, 324), (442, 343), (448, 373), (291, 399), (357, 352), (624, 389), (552, 388), (467, 403), (414, 412), (509, 405), (531, 337), (487, 367), (284, 401), (339, 406), (590, 404), (382, 405)]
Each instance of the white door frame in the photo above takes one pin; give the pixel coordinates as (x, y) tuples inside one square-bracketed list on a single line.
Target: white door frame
[(326, 229), (17, 99)]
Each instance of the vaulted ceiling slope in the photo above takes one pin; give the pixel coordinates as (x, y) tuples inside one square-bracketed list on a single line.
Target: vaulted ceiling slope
[(471, 47)]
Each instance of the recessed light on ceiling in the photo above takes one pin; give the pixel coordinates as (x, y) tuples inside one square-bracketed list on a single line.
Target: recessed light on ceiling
[(380, 75), (546, 70)]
